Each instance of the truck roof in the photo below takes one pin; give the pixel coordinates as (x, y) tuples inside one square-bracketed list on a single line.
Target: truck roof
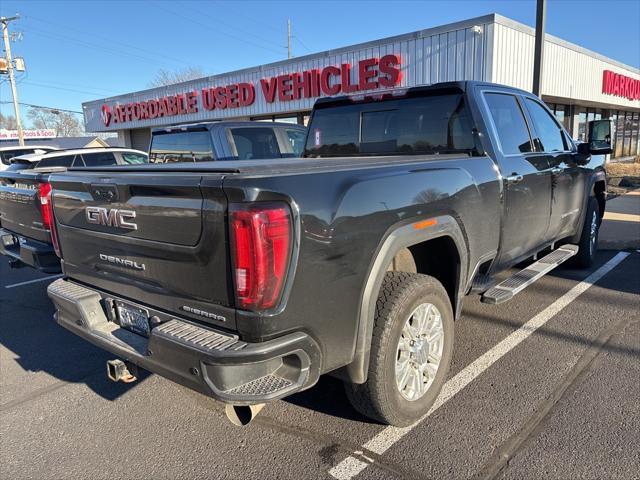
[(460, 86), (229, 124)]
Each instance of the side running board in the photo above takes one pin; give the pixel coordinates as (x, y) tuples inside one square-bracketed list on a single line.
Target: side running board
[(506, 289)]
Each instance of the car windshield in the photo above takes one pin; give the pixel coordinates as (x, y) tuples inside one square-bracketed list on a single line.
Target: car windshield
[(415, 125)]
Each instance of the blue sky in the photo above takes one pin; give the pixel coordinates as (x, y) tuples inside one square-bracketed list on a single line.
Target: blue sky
[(82, 50)]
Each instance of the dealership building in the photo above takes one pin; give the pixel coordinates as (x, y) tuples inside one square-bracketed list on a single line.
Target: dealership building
[(578, 85)]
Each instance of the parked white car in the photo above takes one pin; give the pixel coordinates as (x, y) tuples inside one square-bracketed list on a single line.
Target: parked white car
[(7, 153), (80, 157)]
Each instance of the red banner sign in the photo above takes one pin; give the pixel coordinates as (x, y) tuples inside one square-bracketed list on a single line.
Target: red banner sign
[(372, 73), (620, 85)]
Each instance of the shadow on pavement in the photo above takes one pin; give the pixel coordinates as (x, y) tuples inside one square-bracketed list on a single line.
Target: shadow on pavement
[(39, 344)]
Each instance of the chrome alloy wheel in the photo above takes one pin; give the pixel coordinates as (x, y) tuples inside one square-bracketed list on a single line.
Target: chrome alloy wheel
[(419, 351), (593, 233)]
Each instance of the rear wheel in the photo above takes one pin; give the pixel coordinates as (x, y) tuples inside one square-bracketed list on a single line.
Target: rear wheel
[(588, 244), (411, 350)]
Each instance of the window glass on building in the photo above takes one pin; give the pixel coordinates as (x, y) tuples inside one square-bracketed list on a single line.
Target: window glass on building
[(619, 138), (511, 127), (549, 133), (101, 159), (191, 146), (296, 138), (628, 130), (635, 132), (581, 134), (255, 143)]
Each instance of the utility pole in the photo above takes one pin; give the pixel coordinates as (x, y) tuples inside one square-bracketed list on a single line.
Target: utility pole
[(538, 56), (7, 48), (289, 38)]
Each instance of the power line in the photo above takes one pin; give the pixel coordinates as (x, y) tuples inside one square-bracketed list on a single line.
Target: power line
[(197, 22), (302, 43), (44, 85), (93, 46), (30, 105), (256, 21), (244, 32), (111, 41), (49, 82)]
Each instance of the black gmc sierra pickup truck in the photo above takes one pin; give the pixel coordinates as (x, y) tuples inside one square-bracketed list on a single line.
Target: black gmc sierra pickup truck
[(247, 280)]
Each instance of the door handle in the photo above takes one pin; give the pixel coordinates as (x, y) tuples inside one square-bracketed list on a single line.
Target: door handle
[(514, 179), (556, 170)]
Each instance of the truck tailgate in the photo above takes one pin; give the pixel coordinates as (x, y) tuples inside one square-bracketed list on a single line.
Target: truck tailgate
[(20, 204), (156, 239)]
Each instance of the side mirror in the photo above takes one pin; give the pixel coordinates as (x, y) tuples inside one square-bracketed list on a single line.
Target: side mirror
[(600, 137)]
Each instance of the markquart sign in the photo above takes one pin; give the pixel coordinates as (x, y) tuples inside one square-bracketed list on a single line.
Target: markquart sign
[(620, 85), (370, 74)]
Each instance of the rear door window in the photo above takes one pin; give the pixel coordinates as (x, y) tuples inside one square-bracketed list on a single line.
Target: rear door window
[(58, 161), (255, 143), (190, 146), (99, 159), (508, 120)]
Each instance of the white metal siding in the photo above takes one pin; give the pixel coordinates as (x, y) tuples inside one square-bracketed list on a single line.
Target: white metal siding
[(570, 73)]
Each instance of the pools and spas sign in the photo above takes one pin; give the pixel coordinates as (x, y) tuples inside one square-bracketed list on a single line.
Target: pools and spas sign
[(346, 78)]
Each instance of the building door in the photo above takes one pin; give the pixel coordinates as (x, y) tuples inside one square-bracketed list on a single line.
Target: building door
[(527, 180), (567, 178)]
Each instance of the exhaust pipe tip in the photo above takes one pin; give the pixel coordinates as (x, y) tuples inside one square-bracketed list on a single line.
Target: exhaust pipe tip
[(242, 415)]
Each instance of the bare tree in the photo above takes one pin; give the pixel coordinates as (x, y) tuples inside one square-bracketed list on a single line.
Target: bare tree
[(165, 77), (8, 122), (65, 124)]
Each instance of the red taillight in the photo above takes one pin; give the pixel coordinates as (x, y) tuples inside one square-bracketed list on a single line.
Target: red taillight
[(261, 242), (46, 209)]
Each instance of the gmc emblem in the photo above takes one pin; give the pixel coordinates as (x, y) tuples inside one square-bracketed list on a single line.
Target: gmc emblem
[(111, 218)]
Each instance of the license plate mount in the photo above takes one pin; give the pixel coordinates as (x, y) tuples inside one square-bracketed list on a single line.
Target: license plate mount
[(133, 318)]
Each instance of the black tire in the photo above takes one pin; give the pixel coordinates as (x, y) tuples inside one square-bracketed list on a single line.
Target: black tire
[(380, 398), (588, 244)]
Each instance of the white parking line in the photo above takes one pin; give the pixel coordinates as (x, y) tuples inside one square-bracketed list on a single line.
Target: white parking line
[(52, 277), (352, 466)]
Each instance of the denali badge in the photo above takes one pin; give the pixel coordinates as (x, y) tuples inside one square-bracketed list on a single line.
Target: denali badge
[(111, 218), (202, 313), (122, 262)]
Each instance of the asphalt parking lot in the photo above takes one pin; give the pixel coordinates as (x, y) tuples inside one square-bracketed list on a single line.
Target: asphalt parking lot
[(545, 386)]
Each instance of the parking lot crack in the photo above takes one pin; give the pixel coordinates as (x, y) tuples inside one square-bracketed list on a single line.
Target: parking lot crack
[(537, 422), (333, 446)]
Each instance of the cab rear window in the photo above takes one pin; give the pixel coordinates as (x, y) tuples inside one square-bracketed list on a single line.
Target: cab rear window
[(405, 126), (189, 146)]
